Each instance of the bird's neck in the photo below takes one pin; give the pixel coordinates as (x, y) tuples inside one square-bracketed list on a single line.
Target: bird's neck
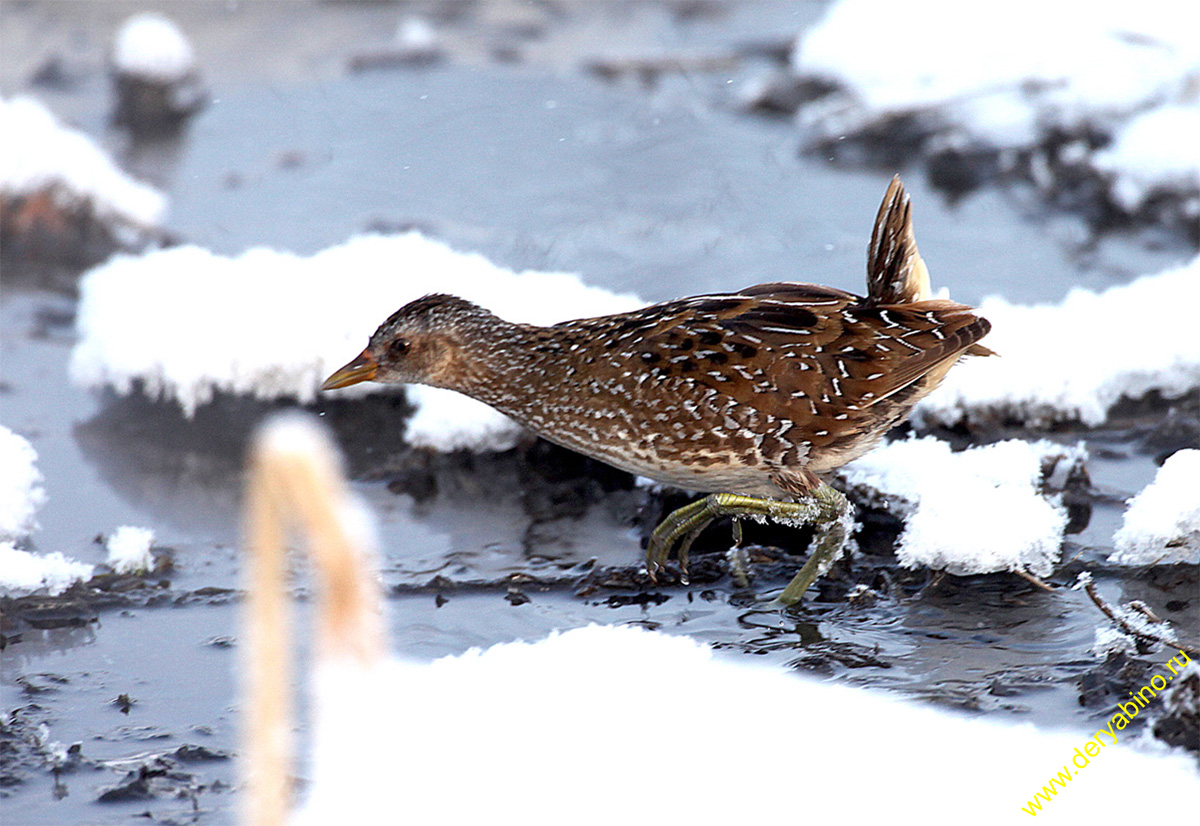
[(496, 362)]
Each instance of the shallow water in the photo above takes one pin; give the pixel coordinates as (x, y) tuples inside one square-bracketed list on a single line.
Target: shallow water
[(661, 191)]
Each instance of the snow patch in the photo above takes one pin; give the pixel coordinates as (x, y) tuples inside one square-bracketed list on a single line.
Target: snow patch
[(1155, 152), (22, 571), (149, 45), (1162, 523), (1008, 78), (973, 512), (1111, 641), (39, 154), (129, 550), (559, 697), (448, 421), (1104, 346), (21, 491), (932, 69), (21, 494)]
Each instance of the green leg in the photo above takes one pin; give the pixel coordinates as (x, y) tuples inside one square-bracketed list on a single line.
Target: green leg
[(833, 529), (825, 508)]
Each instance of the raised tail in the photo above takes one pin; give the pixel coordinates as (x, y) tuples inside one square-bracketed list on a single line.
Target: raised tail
[(896, 273)]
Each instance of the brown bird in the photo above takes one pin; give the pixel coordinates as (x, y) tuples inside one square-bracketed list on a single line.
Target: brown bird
[(751, 394)]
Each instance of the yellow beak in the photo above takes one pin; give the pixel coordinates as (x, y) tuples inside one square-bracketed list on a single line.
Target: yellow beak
[(361, 369)]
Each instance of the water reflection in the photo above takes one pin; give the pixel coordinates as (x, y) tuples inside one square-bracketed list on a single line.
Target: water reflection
[(462, 516), (36, 646)]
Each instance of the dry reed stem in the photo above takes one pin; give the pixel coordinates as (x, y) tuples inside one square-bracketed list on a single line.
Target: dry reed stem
[(295, 482)]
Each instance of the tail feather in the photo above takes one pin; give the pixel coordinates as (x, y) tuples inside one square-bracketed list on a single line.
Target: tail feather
[(896, 274)]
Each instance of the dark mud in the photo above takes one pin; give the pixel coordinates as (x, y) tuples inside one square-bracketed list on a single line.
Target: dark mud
[(120, 696)]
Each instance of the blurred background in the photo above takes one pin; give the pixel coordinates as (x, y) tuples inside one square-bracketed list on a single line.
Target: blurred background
[(654, 148)]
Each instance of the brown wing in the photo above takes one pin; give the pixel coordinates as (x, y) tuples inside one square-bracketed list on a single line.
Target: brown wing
[(794, 339), (887, 348), (807, 357)]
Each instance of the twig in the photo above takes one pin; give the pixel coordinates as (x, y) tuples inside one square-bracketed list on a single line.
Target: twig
[(1164, 636), (1033, 580)]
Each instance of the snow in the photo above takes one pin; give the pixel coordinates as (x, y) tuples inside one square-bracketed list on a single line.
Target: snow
[(1109, 641), (129, 549), (1162, 523), (1072, 361), (1155, 152), (1125, 70), (21, 492), (448, 421), (149, 45), (286, 322), (22, 571), (632, 721), (1004, 79), (973, 512), (37, 154)]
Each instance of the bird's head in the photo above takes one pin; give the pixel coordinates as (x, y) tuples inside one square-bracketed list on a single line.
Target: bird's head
[(423, 342)]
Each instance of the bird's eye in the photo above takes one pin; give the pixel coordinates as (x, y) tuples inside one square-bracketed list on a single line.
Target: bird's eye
[(398, 347)]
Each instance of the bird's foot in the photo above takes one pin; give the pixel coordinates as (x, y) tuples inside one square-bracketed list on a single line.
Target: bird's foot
[(824, 507)]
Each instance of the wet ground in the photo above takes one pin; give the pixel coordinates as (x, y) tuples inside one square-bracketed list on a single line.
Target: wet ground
[(540, 138)]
